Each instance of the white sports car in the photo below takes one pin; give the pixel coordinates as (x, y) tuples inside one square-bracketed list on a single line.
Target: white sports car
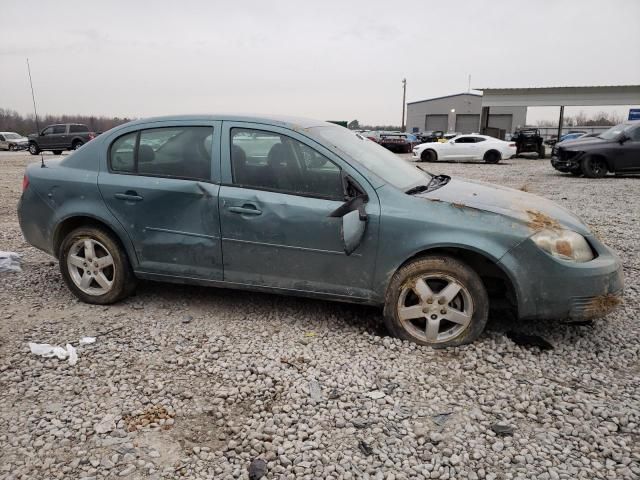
[(466, 147)]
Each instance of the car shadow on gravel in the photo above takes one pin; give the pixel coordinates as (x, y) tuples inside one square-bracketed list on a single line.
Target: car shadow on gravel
[(318, 314)]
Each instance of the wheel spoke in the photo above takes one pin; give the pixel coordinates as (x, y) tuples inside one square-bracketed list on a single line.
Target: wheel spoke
[(456, 316), (433, 328), (104, 262), (103, 281), (409, 313), (422, 290), (76, 261), (89, 251), (450, 291), (85, 281)]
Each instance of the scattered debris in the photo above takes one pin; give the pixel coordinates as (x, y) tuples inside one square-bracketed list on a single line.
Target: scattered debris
[(359, 422), (48, 351), (334, 394), (502, 429), (315, 391), (540, 221), (527, 340), (10, 262), (152, 414), (73, 355), (365, 448), (187, 319), (375, 394), (257, 469), (441, 418), (87, 341)]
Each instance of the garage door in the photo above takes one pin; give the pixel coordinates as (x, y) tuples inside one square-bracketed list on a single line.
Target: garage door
[(502, 122), (436, 122), (467, 123)]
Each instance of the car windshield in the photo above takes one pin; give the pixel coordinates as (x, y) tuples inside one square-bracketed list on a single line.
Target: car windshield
[(11, 136), (388, 166), (614, 132)]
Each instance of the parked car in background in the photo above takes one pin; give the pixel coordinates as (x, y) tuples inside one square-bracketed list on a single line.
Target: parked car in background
[(430, 136), (567, 137), (13, 141), (371, 135), (304, 207), (616, 150), (466, 147), (398, 142), (60, 137)]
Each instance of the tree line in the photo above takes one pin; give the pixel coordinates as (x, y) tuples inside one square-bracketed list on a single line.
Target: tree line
[(12, 121), (600, 119)]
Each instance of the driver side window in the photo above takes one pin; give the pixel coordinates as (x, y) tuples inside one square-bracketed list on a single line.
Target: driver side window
[(271, 161)]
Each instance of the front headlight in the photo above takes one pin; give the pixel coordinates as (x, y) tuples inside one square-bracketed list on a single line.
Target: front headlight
[(564, 244)]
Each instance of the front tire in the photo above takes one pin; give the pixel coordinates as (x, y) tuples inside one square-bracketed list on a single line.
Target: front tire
[(34, 149), (594, 167), (437, 301), (428, 156), (95, 266)]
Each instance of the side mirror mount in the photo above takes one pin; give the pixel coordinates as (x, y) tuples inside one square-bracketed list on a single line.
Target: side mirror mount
[(353, 214)]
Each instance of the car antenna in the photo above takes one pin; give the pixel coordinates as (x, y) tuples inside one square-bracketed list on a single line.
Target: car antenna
[(33, 97)]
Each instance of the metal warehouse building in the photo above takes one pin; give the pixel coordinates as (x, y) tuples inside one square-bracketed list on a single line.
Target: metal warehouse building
[(461, 113)]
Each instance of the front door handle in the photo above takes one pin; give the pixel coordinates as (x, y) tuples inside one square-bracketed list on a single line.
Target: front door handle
[(246, 209), (128, 196)]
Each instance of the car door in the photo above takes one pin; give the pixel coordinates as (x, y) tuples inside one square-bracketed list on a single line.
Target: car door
[(4, 145), (458, 148), (278, 193), (160, 182), (59, 138), (627, 154), (46, 139)]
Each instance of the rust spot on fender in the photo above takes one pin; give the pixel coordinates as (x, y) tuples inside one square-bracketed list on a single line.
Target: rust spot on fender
[(458, 205), (603, 304), (540, 221), (564, 248), (434, 199)]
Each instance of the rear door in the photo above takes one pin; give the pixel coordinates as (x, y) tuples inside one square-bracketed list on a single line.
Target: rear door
[(161, 182), (278, 191)]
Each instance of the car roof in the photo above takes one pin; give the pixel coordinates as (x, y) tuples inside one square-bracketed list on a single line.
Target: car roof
[(280, 120)]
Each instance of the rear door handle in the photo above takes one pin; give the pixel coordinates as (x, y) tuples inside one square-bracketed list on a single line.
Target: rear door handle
[(246, 209), (128, 196)]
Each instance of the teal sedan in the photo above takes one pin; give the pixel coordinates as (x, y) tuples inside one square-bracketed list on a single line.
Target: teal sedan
[(302, 207)]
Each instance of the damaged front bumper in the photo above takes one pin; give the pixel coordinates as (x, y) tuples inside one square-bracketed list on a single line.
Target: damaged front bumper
[(555, 289), (564, 164)]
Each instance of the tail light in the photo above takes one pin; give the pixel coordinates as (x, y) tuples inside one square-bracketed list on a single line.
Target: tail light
[(25, 182), (92, 135), (512, 144)]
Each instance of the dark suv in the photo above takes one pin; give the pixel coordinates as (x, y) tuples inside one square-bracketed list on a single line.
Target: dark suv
[(56, 138), (616, 150)]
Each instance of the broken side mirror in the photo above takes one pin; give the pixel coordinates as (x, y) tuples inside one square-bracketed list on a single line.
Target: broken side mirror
[(353, 214)]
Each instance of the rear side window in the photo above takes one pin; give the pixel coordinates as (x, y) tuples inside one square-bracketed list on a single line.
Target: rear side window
[(177, 152), (78, 129)]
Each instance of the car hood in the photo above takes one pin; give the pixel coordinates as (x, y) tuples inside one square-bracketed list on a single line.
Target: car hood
[(19, 140), (534, 211), (581, 142)]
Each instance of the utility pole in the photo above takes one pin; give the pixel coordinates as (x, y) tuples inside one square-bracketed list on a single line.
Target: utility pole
[(404, 96)]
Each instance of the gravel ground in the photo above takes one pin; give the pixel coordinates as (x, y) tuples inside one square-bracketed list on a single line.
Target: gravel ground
[(198, 383)]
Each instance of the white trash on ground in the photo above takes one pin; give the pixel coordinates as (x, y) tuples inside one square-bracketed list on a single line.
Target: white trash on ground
[(10, 262), (47, 351)]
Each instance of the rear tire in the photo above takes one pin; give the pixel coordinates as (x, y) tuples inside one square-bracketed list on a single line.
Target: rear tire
[(428, 156), (34, 149), (594, 167), (492, 156), (438, 301), (542, 152), (95, 266)]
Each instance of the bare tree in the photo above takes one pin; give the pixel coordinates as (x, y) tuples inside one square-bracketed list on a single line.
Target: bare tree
[(12, 121)]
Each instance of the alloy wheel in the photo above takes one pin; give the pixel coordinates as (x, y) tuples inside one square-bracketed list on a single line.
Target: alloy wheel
[(435, 308), (91, 266)]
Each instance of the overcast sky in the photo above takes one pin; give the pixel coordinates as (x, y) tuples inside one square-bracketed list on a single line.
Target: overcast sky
[(322, 59)]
